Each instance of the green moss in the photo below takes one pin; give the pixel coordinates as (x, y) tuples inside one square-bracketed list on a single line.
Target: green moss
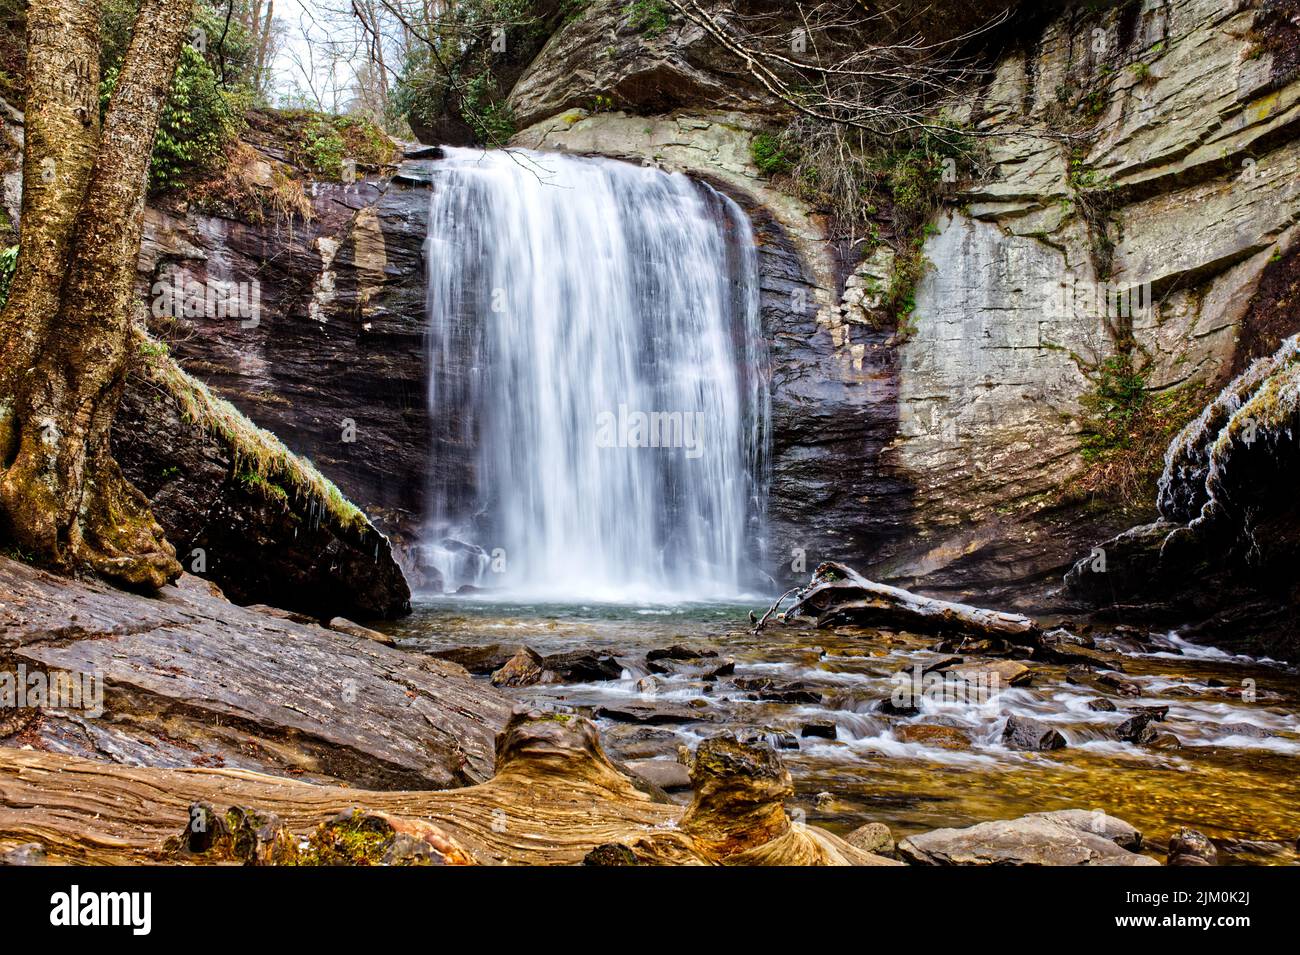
[(251, 479), (649, 17), (260, 458)]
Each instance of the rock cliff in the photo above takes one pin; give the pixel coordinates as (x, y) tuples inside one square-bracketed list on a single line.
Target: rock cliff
[(1146, 150)]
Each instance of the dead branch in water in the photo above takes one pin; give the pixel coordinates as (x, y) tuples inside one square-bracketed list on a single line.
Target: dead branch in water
[(838, 594)]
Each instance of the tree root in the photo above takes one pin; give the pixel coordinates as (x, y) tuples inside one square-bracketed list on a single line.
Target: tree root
[(556, 799)]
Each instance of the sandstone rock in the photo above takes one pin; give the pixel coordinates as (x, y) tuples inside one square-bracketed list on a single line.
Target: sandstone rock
[(678, 652), (1119, 684), (821, 729), (479, 660), (1024, 733), (1138, 729), (1070, 837), (874, 837), (583, 666), (668, 774), (1249, 730), (944, 737), (1102, 705), (525, 668), (279, 612), (650, 714), (774, 691)]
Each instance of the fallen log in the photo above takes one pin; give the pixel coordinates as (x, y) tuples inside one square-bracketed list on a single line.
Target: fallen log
[(555, 799), (838, 594)]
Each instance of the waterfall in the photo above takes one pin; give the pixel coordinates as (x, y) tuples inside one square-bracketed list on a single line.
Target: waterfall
[(597, 380)]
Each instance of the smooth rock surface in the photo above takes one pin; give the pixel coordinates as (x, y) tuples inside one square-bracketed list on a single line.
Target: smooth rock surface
[(189, 679), (1069, 837)]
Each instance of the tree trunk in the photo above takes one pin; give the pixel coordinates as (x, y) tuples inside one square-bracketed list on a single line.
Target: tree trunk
[(65, 343)]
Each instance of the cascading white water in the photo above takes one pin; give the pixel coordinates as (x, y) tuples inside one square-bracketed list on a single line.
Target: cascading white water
[(596, 363)]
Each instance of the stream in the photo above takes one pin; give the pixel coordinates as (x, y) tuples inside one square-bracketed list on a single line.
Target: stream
[(1225, 766)]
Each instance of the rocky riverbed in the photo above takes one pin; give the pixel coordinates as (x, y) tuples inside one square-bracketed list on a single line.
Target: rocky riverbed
[(1152, 730)]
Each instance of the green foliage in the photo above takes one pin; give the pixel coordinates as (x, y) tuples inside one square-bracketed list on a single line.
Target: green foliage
[(1126, 428), (650, 17), (202, 116), (462, 88), (322, 148), (768, 154), (324, 142), (197, 122), (489, 116), (1117, 401), (258, 482), (8, 262), (876, 190)]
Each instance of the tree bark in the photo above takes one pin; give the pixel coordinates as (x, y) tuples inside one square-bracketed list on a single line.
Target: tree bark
[(65, 352)]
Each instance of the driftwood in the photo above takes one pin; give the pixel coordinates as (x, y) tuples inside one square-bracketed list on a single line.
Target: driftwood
[(556, 798), (838, 594)]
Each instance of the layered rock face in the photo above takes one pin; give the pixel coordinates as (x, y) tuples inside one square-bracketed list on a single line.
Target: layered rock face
[(938, 457), (935, 459), (1227, 543), (280, 535), (334, 363)]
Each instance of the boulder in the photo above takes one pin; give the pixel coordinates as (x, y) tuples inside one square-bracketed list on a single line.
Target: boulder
[(677, 652), (1024, 733), (1189, 847), (667, 774), (1248, 730), (525, 668), (243, 511), (1137, 728), (1067, 837), (874, 837), (583, 666), (821, 729), (650, 714), (944, 737), (774, 691), (479, 660), (190, 680)]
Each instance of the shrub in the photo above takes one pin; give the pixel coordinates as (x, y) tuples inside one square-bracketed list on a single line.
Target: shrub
[(769, 155)]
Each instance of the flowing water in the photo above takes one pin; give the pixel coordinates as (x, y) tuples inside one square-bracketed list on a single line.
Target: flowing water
[(1235, 773), (598, 386), (594, 351)]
